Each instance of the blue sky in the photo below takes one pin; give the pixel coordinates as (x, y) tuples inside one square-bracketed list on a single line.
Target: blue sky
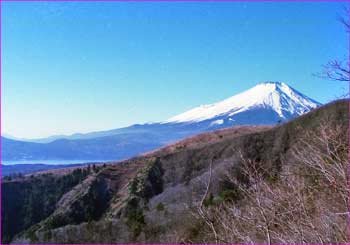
[(83, 66)]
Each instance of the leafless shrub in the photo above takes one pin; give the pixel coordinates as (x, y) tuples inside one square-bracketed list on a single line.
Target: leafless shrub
[(308, 203), (202, 213), (339, 69)]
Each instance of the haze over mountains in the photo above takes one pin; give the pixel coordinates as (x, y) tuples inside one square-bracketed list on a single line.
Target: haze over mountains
[(267, 103)]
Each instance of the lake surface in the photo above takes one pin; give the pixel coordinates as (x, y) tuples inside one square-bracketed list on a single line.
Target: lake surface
[(52, 162)]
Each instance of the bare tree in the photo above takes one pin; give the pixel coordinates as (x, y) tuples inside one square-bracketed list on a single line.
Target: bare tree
[(308, 203), (339, 70), (336, 70), (203, 214)]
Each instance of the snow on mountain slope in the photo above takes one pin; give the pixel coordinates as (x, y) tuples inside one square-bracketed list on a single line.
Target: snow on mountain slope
[(265, 104), (277, 96)]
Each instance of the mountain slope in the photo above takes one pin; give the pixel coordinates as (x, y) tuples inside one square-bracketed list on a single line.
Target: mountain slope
[(278, 97), (265, 104), (153, 198)]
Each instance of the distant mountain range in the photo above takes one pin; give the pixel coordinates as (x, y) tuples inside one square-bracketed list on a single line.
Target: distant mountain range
[(267, 103)]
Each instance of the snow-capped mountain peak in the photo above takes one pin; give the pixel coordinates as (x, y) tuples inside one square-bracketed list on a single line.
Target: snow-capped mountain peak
[(278, 97)]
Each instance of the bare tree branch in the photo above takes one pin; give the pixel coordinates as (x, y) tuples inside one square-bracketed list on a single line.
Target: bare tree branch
[(336, 70), (201, 211), (339, 70), (307, 204)]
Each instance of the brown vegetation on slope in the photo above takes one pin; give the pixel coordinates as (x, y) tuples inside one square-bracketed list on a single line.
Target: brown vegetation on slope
[(306, 203), (155, 198)]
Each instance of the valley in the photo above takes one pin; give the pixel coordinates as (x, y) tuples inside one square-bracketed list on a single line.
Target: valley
[(172, 195)]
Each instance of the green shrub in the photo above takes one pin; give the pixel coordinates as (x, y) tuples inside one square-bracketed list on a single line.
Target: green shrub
[(230, 195), (209, 200), (160, 207), (135, 219), (32, 236)]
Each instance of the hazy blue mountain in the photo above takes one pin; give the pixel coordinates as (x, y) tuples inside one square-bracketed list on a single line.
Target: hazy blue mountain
[(267, 103)]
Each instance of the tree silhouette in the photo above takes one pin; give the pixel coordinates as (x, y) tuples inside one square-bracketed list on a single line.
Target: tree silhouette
[(337, 69)]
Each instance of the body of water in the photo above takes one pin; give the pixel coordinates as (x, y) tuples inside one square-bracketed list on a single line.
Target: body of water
[(52, 162)]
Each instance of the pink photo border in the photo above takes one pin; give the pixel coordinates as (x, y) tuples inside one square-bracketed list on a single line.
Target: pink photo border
[(345, 1)]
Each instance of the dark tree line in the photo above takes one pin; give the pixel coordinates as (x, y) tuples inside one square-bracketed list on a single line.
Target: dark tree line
[(29, 202)]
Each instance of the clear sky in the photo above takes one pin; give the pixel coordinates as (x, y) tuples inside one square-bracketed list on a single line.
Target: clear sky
[(73, 67)]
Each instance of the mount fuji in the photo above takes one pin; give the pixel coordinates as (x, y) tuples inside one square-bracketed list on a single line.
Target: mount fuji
[(268, 103)]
